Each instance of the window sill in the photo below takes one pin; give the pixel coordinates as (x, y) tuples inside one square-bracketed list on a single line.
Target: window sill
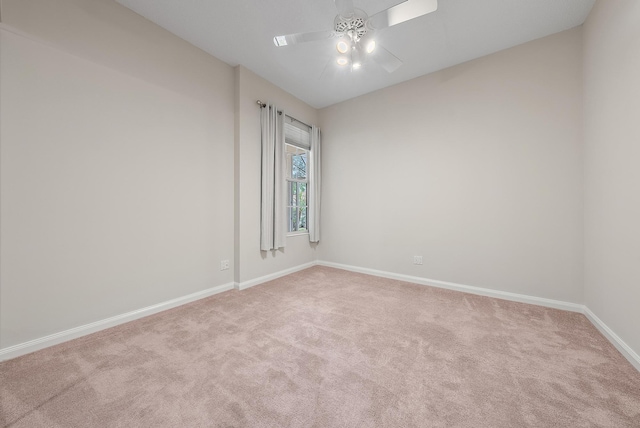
[(297, 234)]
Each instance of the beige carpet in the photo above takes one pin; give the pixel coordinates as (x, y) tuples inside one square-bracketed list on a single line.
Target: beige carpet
[(330, 348)]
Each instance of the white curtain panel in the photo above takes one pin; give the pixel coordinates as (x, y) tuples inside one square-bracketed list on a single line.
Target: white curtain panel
[(280, 193), (273, 220), (315, 183)]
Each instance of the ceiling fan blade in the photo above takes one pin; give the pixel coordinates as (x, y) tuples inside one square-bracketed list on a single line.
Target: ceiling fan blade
[(385, 59), (402, 12), (292, 39), (345, 8)]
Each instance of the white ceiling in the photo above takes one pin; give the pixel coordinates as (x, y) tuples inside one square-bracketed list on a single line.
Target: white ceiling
[(241, 32)]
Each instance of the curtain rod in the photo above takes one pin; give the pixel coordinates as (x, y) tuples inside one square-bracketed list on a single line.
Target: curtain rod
[(263, 105)]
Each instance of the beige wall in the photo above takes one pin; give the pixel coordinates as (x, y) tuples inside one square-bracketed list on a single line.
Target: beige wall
[(252, 263), (612, 174), (116, 151), (478, 168)]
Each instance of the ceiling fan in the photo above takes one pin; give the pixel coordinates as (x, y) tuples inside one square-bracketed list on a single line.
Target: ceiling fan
[(355, 31)]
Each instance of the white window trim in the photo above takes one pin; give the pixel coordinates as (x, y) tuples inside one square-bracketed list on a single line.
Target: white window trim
[(297, 134), (297, 180), (297, 233)]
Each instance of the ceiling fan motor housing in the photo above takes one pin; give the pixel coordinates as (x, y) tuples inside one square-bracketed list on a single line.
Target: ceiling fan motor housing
[(354, 25)]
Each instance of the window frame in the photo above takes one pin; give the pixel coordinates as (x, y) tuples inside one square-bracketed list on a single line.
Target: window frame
[(289, 180), (297, 135)]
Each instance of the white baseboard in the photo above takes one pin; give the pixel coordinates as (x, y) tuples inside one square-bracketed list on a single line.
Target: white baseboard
[(615, 340), (253, 282), (620, 345), (73, 333), (505, 295), (56, 338), (83, 330)]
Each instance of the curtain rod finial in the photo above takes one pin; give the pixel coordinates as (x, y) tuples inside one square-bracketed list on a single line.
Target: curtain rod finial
[(261, 104)]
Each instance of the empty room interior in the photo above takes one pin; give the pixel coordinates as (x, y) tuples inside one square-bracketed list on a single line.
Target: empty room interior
[(320, 213)]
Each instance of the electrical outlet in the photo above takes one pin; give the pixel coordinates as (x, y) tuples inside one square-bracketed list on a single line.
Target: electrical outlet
[(224, 265), (417, 260)]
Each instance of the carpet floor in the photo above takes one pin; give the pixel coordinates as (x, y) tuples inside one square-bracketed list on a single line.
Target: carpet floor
[(330, 348)]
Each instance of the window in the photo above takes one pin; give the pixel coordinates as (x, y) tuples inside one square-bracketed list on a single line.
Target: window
[(296, 148), (296, 188)]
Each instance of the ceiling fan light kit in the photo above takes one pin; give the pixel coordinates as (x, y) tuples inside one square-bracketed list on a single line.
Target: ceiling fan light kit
[(342, 46), (355, 30), (371, 46)]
